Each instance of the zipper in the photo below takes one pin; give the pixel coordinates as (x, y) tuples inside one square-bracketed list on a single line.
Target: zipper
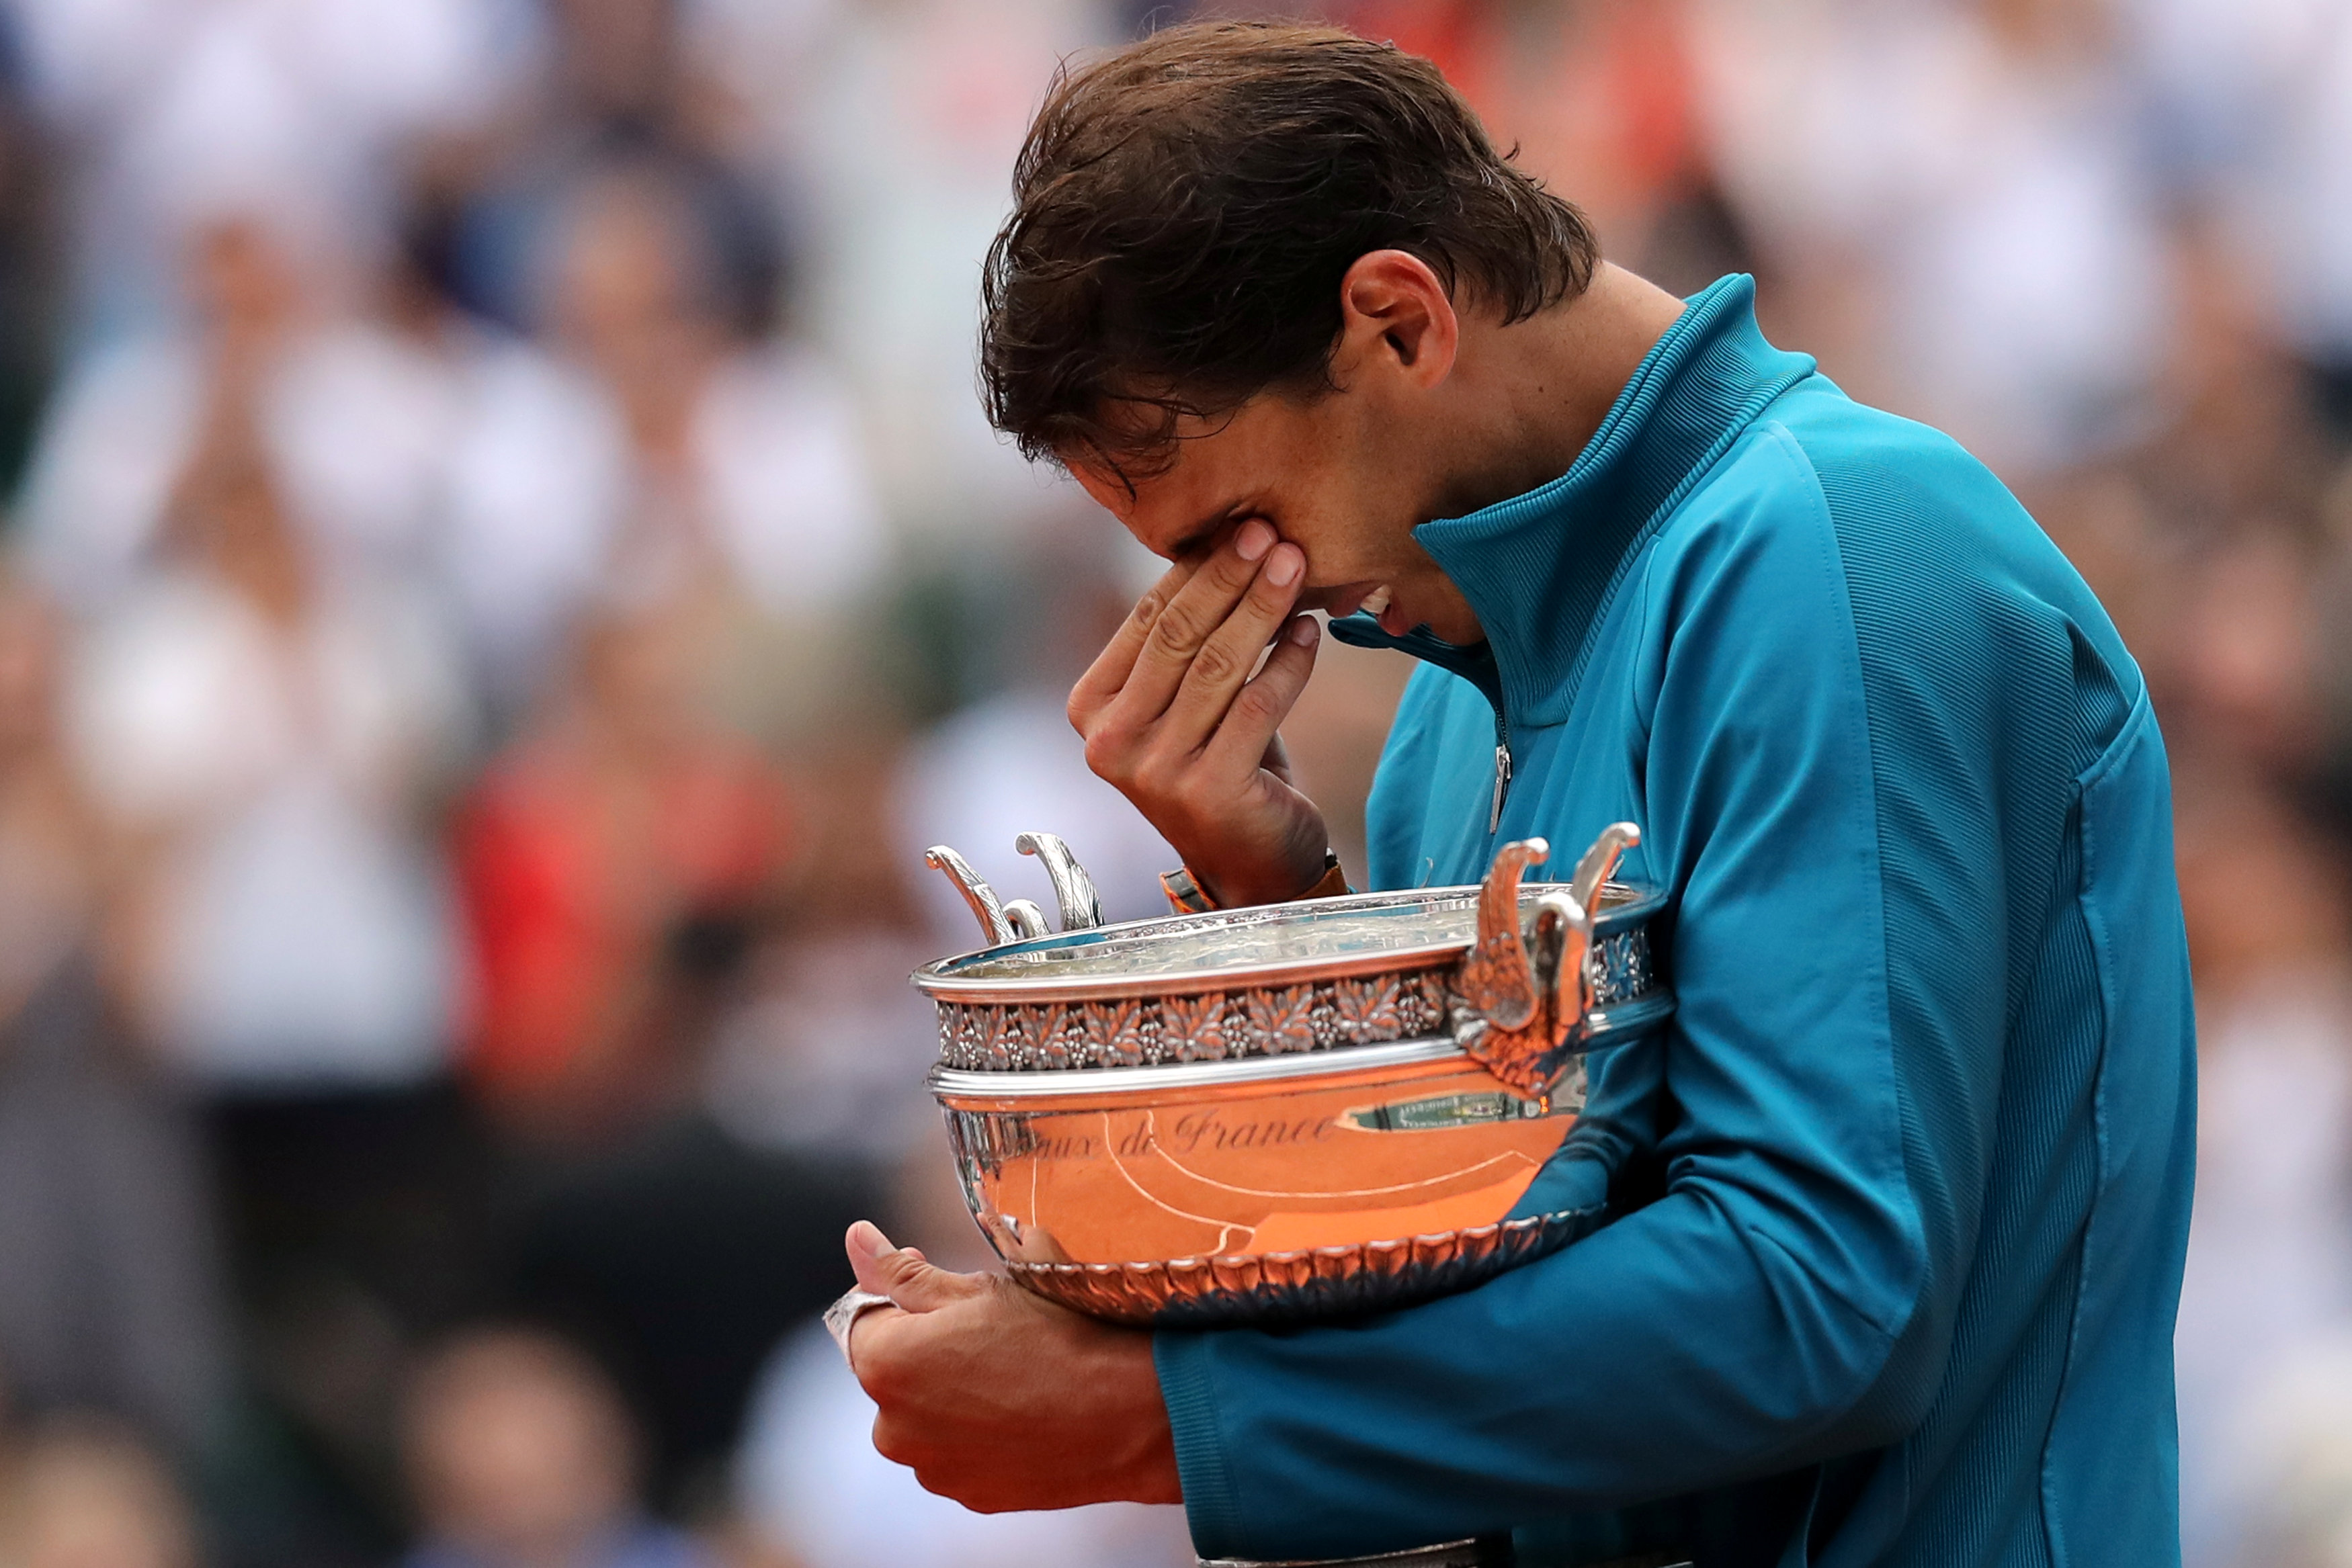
[(1502, 771), (1475, 664)]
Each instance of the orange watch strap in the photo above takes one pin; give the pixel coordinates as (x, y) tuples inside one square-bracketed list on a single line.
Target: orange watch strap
[(1187, 896)]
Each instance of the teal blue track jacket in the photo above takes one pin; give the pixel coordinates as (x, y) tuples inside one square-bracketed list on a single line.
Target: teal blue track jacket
[(1887, 1227)]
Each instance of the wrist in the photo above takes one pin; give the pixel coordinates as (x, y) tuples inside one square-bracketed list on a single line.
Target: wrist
[(1138, 1430), (1188, 893)]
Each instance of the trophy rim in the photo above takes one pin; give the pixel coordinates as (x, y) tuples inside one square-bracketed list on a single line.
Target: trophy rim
[(1626, 905)]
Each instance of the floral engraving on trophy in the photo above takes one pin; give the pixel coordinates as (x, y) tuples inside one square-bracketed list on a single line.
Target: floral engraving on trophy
[(1050, 1044), (959, 1034), (1370, 1009), (1115, 1031), (1000, 1037), (1279, 1021), (1196, 1026)]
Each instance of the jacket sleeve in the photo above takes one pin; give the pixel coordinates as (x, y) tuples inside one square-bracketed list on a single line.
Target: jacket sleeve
[(1747, 1321)]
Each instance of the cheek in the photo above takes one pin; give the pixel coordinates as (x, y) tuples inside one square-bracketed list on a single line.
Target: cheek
[(1335, 555), (1353, 520), (1342, 529)]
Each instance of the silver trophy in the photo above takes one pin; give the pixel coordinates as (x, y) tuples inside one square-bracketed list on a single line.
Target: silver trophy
[(1286, 1112)]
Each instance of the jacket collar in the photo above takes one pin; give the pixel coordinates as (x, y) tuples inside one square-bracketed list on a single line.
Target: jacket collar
[(1539, 569)]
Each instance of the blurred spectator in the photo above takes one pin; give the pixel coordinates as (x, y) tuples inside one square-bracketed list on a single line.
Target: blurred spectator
[(109, 1294), (899, 124), (811, 1489), (612, 80), (523, 1456), (824, 1056), (2270, 1252), (1600, 100), (2249, 105), (614, 863), (350, 422), (269, 716), (623, 863), (681, 1257), (662, 528), (661, 457), (263, 703), (2242, 446), (81, 1493), (167, 107), (1959, 185)]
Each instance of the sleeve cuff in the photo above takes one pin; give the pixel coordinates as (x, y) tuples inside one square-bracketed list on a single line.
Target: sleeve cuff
[(1188, 1386)]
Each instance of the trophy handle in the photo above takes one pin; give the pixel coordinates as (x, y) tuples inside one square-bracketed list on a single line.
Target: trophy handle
[(1021, 919), (1601, 859), (994, 924), (1074, 890), (1498, 976), (1525, 995)]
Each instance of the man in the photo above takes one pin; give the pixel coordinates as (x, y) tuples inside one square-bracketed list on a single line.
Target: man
[(1890, 1220)]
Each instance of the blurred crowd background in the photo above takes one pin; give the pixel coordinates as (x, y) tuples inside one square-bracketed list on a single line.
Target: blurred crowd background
[(505, 572)]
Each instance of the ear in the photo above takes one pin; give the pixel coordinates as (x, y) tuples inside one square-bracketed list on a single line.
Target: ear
[(1395, 318)]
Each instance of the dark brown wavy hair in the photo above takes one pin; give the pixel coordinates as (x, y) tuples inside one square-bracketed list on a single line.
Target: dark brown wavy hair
[(1185, 208)]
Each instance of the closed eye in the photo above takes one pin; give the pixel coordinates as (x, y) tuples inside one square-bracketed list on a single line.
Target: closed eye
[(1207, 536)]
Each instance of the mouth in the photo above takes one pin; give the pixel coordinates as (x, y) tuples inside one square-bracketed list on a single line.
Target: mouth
[(1369, 597), (1377, 600)]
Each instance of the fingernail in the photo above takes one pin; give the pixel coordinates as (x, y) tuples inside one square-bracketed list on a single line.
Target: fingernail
[(867, 1239), (1304, 632), (1255, 540), (1282, 569)]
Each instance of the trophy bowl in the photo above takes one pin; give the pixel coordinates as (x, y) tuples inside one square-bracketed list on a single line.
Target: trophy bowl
[(1283, 1111)]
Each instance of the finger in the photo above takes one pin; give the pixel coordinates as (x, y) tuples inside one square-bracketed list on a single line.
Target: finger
[(912, 1282), (1225, 662), (1193, 614), (866, 1246), (1109, 671), (1247, 735)]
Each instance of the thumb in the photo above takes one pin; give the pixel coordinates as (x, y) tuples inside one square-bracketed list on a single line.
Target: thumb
[(912, 1281)]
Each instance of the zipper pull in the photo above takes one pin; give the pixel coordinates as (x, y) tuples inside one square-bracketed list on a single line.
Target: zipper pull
[(1502, 786)]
